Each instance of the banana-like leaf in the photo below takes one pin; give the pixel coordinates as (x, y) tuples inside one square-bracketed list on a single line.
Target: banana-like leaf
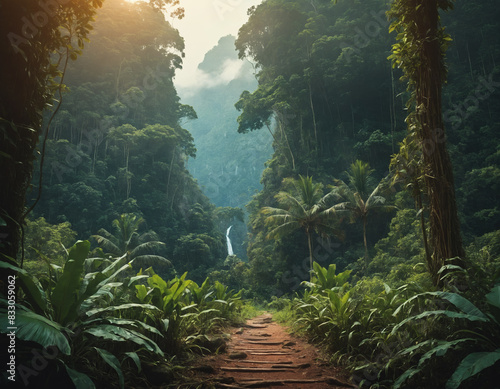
[(471, 365), (112, 361), (141, 292), (34, 294), (493, 297), (136, 278), (115, 333), (64, 297), (405, 376), (442, 349), (115, 308), (135, 323), (39, 329)]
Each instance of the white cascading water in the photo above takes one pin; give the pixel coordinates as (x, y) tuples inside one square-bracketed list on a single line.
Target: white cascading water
[(229, 246)]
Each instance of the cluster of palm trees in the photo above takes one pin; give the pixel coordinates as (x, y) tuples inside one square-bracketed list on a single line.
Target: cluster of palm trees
[(305, 206)]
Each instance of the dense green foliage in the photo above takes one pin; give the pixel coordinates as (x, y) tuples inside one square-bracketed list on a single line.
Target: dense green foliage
[(117, 146), (97, 308), (326, 82), (400, 337)]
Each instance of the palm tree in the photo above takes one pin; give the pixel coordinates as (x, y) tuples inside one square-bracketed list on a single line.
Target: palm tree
[(355, 199), (304, 209), (127, 241)]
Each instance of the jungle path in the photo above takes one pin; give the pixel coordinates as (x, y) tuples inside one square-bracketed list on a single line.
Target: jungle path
[(261, 354)]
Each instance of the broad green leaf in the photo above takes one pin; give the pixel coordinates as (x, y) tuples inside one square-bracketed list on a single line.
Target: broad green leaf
[(115, 308), (35, 296), (112, 361), (141, 292), (39, 329), (136, 278), (461, 303), (471, 365), (156, 281), (135, 323), (80, 380), (64, 297), (441, 349), (115, 333), (405, 376), (133, 355), (493, 297), (458, 301)]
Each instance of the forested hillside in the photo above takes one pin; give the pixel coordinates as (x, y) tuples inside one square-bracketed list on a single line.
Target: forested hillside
[(325, 78), (227, 166), (117, 145)]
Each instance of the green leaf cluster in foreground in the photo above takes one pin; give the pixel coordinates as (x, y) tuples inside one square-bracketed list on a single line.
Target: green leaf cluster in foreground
[(99, 311)]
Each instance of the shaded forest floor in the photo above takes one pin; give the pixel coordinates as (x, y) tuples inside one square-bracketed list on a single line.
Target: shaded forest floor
[(261, 354)]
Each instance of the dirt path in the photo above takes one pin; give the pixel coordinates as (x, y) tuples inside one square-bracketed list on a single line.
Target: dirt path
[(262, 354)]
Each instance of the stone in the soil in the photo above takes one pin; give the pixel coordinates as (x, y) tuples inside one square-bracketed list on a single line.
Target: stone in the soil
[(238, 355)]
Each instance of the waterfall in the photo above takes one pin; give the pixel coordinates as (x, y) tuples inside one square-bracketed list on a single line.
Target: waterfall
[(229, 247)]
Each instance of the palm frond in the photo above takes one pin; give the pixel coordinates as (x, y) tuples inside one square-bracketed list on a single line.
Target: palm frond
[(149, 260), (283, 230), (146, 247), (273, 211), (107, 245)]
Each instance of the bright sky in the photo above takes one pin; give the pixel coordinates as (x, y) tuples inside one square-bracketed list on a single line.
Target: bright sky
[(206, 21)]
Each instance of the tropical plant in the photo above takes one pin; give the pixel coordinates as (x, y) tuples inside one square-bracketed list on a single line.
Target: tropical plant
[(84, 315), (325, 279), (356, 200), (478, 335), (305, 208), (140, 248)]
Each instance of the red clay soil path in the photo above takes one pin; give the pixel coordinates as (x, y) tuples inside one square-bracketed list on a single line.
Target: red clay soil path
[(261, 354)]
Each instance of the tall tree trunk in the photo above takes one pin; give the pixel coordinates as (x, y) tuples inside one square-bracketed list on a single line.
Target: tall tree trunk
[(314, 118), (21, 103), (309, 243), (444, 224), (364, 241)]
